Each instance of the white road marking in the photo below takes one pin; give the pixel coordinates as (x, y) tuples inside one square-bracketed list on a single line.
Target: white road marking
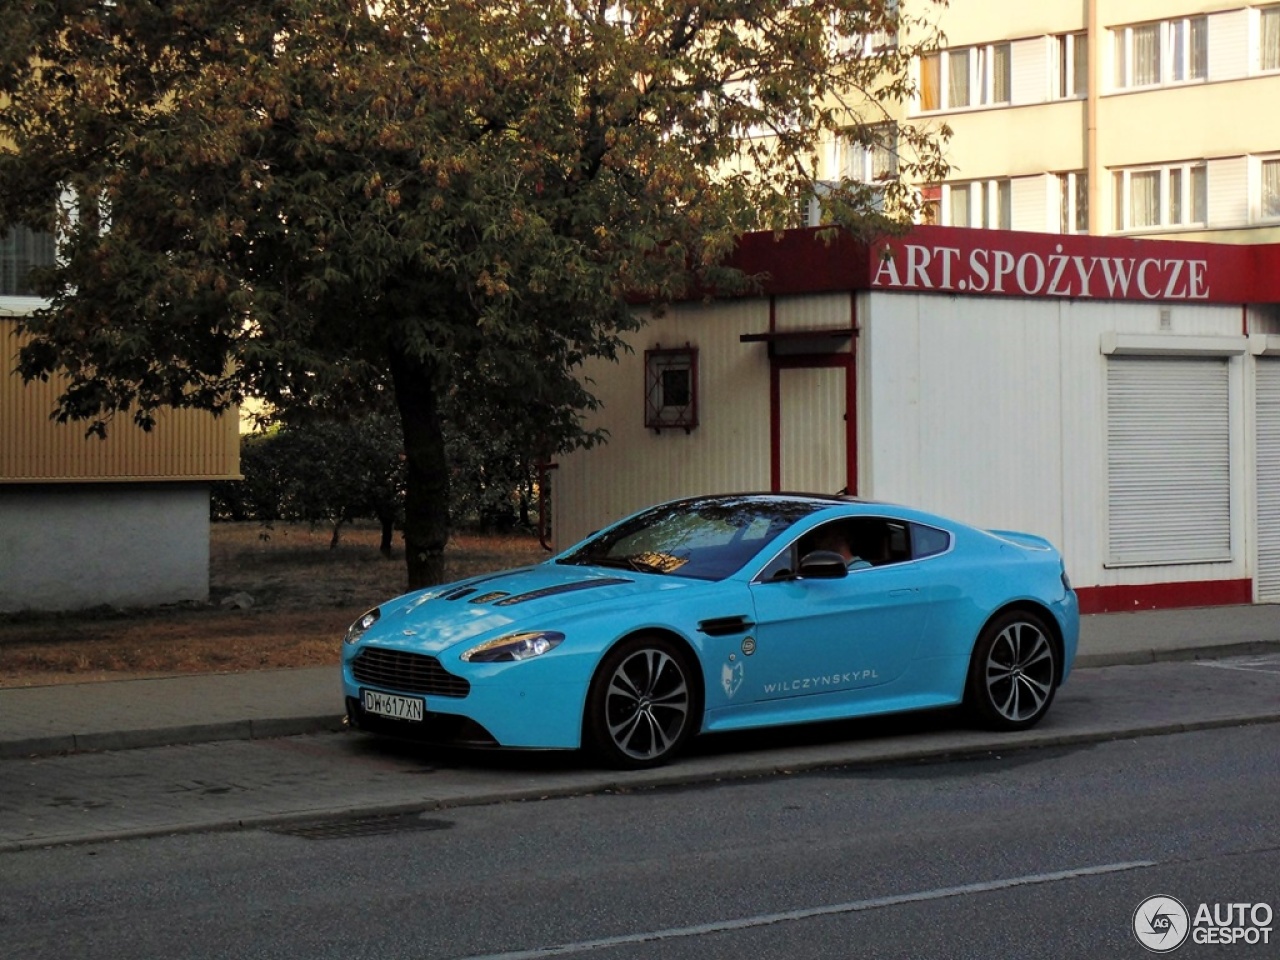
[(767, 919), (1268, 664)]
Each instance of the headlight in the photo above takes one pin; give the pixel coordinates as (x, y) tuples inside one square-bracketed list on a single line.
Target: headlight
[(361, 626), (515, 646)]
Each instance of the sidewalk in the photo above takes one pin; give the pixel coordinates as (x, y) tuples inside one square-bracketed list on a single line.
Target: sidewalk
[(126, 714)]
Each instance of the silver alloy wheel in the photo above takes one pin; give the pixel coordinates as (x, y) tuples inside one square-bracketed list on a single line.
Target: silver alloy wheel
[(646, 704), (1019, 672)]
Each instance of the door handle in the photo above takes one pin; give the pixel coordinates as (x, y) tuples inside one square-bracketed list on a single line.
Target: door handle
[(903, 591)]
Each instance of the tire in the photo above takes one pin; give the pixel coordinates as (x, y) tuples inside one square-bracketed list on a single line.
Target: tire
[(643, 705), (1014, 672)]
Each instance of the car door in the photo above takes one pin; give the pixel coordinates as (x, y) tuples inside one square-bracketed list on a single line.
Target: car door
[(839, 637)]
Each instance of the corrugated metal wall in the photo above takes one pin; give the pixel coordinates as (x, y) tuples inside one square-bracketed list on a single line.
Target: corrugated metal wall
[(728, 450), (994, 412), (184, 445)]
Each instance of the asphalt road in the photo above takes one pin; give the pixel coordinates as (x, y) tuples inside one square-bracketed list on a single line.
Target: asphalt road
[(1041, 853)]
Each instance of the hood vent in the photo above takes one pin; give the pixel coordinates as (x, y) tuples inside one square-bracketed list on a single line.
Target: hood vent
[(561, 588)]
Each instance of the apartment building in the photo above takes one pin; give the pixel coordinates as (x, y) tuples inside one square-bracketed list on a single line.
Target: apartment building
[(1145, 118)]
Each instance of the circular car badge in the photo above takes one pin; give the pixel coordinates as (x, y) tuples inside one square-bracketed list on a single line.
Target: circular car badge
[(748, 645), (1161, 924)]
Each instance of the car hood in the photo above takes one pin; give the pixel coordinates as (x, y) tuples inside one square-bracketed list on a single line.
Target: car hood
[(434, 620)]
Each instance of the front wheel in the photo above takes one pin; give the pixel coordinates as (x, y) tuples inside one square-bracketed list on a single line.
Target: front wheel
[(1014, 672), (642, 703)]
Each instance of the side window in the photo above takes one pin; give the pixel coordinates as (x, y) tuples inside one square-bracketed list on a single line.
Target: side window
[(864, 541), (878, 541), (780, 567), (929, 541)]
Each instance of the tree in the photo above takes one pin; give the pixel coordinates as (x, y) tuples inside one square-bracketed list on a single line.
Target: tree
[(293, 199)]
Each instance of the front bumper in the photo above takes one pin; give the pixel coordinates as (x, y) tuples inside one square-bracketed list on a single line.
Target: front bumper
[(525, 705)]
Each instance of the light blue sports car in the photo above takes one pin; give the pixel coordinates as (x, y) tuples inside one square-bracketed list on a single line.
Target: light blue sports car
[(722, 613)]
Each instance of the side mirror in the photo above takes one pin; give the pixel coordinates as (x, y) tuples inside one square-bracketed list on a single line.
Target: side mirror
[(823, 565)]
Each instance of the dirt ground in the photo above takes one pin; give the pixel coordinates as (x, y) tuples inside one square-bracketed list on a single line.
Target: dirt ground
[(303, 595)]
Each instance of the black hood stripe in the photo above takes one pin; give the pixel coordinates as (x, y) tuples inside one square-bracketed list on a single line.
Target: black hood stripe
[(561, 588)]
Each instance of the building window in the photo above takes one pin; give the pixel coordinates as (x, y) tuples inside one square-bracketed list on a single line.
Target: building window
[(671, 388), (1271, 188), (1170, 196), (870, 154), (1073, 197), (931, 203), (872, 42), (979, 203), (966, 77), (21, 250), (1072, 55), (1171, 51), (1269, 38)]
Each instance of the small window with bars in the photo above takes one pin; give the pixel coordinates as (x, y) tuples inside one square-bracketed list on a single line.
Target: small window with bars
[(671, 388)]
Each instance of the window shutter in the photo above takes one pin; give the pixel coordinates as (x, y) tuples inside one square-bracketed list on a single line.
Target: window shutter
[(1268, 480), (1168, 460)]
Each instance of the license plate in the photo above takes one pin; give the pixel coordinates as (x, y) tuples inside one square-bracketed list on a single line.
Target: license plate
[(389, 705)]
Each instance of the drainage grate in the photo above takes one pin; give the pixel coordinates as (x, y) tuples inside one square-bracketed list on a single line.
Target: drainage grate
[(342, 828)]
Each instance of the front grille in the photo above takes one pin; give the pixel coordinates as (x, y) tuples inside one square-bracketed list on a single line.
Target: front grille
[(413, 672)]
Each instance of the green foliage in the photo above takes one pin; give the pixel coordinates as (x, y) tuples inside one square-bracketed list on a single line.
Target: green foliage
[(319, 472), (307, 200)]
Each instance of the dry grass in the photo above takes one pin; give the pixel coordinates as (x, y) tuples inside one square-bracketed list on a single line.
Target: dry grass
[(304, 596)]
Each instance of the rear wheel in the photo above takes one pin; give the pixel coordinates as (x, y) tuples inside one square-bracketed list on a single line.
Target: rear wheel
[(1014, 672), (642, 705)]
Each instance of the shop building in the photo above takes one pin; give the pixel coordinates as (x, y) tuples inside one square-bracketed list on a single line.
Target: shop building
[(1118, 396)]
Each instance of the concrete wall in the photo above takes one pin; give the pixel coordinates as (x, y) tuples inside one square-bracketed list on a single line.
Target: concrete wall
[(69, 547)]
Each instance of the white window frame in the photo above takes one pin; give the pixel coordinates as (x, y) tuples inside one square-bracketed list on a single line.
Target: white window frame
[(857, 161), (1072, 185), (868, 44), (1069, 81), (1263, 163), (1177, 196), (989, 205), (14, 304), (1174, 49), (1259, 27), (980, 75)]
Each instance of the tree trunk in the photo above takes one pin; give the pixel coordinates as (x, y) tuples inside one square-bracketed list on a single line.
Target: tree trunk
[(388, 527), (426, 507)]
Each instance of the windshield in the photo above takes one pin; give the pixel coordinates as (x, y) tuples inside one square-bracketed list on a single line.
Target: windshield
[(706, 539)]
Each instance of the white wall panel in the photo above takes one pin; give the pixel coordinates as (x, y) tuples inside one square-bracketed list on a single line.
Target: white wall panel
[(994, 411)]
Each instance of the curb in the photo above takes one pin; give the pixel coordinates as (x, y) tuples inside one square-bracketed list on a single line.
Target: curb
[(264, 729), (1138, 657)]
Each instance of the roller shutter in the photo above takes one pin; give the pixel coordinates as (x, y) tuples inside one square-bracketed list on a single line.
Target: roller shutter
[(1268, 480), (1168, 460)]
